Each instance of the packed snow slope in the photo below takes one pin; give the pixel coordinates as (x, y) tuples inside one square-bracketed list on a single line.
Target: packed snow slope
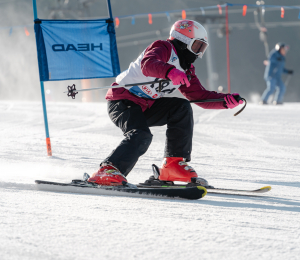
[(259, 147)]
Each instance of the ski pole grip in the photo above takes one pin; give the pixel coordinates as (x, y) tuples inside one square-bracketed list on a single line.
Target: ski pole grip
[(238, 98)]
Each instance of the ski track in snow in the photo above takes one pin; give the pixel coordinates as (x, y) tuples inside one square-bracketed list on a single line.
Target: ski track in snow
[(259, 147)]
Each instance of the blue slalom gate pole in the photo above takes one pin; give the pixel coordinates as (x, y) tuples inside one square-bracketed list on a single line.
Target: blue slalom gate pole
[(109, 9), (48, 142)]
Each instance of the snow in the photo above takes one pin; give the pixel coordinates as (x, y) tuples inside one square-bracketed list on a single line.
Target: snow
[(259, 147)]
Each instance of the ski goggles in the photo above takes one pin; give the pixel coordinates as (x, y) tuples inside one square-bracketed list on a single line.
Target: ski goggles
[(287, 48), (198, 47)]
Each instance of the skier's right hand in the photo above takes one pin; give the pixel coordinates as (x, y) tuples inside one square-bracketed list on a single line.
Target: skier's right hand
[(178, 77)]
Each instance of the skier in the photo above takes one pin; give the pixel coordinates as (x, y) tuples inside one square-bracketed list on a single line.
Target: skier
[(274, 69), (135, 109)]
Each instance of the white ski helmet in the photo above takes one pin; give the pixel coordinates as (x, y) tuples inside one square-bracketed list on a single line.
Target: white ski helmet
[(192, 33)]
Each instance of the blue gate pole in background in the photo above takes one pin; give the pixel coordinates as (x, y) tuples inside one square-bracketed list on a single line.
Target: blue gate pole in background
[(109, 9), (48, 143)]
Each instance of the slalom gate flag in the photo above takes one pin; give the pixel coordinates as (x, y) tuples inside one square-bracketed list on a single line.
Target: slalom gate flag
[(76, 49)]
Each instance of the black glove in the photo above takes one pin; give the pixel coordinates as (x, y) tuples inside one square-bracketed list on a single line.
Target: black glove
[(291, 72)]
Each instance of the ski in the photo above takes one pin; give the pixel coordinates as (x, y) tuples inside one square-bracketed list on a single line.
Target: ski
[(154, 182), (260, 190), (129, 190), (209, 189), (234, 194)]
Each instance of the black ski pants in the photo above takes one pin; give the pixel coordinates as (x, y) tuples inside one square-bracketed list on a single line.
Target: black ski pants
[(176, 113)]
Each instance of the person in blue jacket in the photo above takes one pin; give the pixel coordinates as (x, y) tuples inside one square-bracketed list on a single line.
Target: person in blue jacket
[(274, 69)]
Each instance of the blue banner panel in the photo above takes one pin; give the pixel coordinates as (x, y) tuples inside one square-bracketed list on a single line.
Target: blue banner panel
[(76, 49)]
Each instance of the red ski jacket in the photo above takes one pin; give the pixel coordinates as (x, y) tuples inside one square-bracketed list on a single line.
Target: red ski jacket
[(154, 64)]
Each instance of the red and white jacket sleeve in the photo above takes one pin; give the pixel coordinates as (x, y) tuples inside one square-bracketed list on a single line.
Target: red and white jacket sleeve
[(154, 64)]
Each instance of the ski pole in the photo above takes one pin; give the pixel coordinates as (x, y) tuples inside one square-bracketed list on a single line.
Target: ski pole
[(72, 91), (237, 98)]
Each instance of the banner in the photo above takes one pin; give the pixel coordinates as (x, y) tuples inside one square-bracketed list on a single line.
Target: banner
[(76, 49)]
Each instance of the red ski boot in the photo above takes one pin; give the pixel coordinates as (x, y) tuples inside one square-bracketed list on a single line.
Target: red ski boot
[(108, 175), (176, 169)]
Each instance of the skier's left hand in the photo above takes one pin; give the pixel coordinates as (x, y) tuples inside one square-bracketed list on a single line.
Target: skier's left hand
[(231, 100)]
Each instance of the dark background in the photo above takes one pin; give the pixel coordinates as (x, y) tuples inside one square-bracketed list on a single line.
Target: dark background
[(19, 79)]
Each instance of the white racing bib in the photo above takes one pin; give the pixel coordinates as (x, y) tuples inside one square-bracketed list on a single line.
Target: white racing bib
[(134, 75)]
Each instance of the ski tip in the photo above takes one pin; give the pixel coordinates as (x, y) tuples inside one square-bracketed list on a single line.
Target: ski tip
[(204, 190), (265, 189)]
